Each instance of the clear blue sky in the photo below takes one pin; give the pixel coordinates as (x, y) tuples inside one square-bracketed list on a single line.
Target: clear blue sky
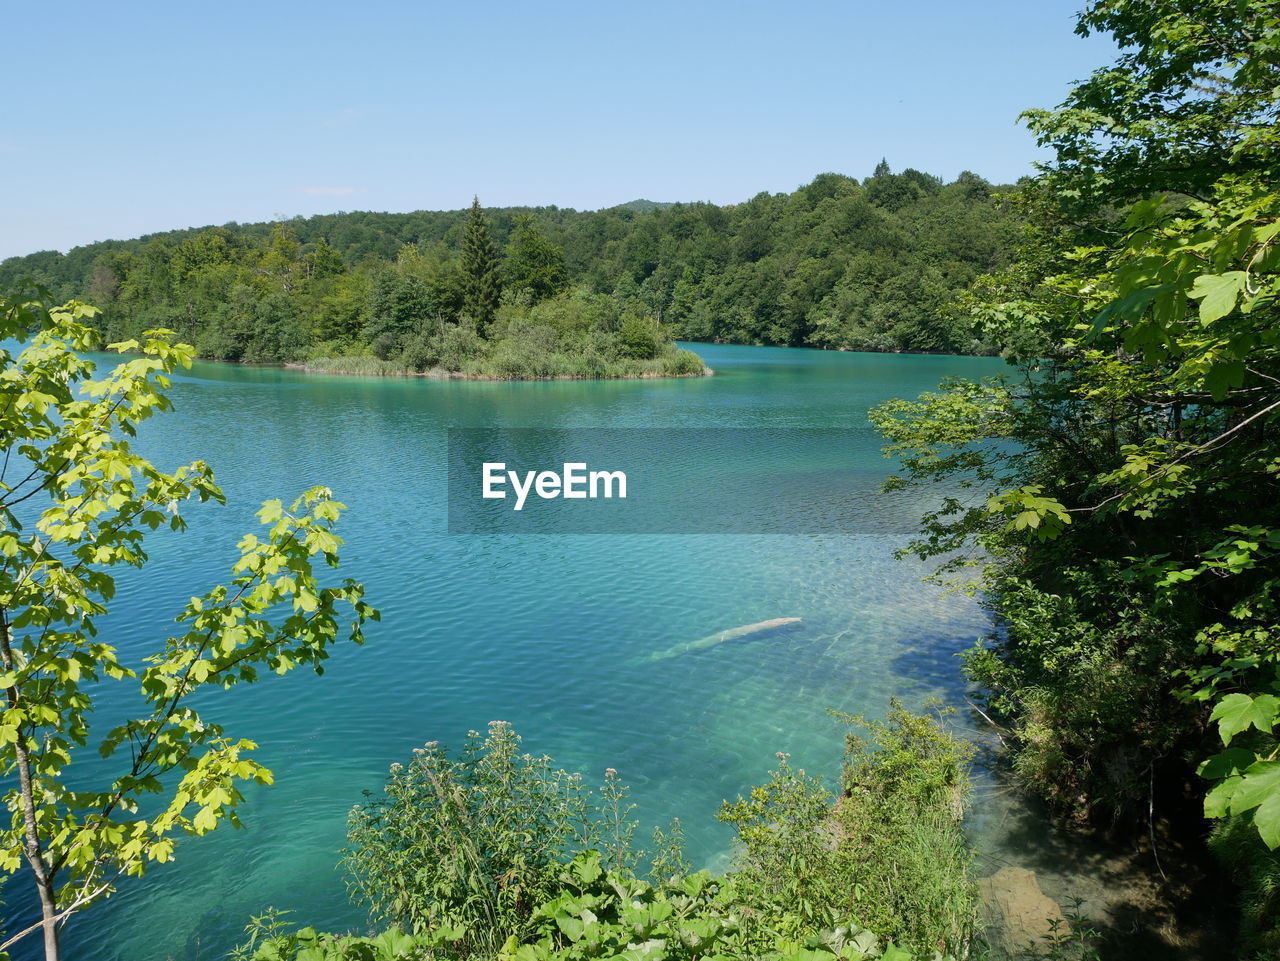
[(127, 118)]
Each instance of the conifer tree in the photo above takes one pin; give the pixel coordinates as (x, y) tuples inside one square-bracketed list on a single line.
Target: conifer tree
[(481, 283)]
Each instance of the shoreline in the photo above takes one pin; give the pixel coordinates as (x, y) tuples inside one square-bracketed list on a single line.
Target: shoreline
[(436, 373), (849, 350)]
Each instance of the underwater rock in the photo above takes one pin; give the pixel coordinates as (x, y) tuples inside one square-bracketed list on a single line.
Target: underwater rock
[(1022, 916)]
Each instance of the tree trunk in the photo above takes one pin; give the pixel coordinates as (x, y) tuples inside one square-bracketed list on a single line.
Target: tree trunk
[(35, 856), (49, 913)]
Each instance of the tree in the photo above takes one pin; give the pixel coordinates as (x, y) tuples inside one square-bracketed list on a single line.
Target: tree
[(280, 260), (323, 261), (638, 337), (400, 306), (482, 286), (67, 441), (534, 263), (1189, 100), (340, 313), (1132, 527)]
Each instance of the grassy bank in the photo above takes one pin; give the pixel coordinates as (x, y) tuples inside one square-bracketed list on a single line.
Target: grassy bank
[(554, 366)]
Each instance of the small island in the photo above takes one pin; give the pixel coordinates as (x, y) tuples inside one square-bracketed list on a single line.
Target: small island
[(575, 335), (508, 319)]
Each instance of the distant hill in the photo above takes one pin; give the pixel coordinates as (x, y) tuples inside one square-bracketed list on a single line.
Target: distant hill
[(643, 206), (871, 264)]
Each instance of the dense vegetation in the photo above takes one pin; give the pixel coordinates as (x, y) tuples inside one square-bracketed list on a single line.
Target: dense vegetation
[(1125, 518), (868, 265), (498, 854)]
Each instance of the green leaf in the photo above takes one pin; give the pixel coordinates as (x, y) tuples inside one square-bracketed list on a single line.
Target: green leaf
[(1267, 820), (1259, 787), (1217, 294), (1238, 712), (204, 821), (571, 927), (1223, 377), (1226, 763)]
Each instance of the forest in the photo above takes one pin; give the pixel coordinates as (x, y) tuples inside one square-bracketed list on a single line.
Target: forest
[(839, 263)]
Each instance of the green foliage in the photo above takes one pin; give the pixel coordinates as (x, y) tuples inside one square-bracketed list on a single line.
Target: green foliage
[(76, 502), (1087, 699), (457, 346), (667, 862), (575, 334), (598, 913), (889, 853), (838, 263), (399, 305), (683, 363), (1116, 494), (1236, 843), (354, 364), (478, 842), (601, 914), (481, 283), (533, 263), (638, 339), (789, 853), (272, 924), (273, 942), (907, 760), (421, 352), (1127, 536), (1117, 137), (498, 855)]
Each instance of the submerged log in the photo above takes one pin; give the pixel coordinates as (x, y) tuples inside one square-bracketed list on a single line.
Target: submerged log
[(722, 636)]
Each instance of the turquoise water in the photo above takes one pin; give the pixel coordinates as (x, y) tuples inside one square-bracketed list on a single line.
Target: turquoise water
[(541, 631)]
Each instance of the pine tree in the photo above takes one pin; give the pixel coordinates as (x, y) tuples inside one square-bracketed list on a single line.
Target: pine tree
[(481, 284)]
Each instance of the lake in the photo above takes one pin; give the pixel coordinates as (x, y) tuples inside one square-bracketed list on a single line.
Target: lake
[(542, 631)]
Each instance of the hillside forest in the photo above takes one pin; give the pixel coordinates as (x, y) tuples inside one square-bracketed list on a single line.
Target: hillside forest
[(872, 264)]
